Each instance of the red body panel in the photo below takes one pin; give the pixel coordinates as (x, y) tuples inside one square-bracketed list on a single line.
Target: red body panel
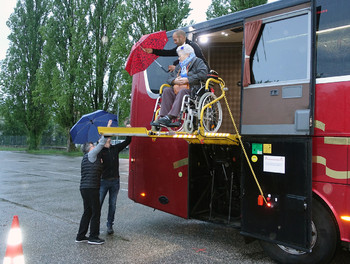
[(332, 109), (331, 150), (157, 168)]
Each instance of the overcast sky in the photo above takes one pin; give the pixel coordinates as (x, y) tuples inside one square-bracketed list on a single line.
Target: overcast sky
[(198, 14)]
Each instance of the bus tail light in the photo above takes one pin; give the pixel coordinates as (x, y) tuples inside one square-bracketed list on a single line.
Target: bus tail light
[(271, 200)]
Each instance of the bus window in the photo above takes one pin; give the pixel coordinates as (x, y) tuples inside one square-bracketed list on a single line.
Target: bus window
[(333, 38), (282, 51), (156, 76), (277, 102)]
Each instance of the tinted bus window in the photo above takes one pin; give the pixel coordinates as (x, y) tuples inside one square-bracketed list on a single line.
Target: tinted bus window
[(282, 51), (333, 38), (155, 74)]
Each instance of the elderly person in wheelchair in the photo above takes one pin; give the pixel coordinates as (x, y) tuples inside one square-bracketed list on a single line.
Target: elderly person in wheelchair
[(185, 80)]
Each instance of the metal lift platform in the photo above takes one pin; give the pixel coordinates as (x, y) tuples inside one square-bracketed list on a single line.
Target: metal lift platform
[(198, 137)]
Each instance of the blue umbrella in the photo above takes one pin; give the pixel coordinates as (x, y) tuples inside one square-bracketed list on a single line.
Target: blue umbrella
[(85, 130)]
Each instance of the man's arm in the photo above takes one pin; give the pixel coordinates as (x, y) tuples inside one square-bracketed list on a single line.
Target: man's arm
[(164, 53), (92, 155), (161, 52), (123, 144)]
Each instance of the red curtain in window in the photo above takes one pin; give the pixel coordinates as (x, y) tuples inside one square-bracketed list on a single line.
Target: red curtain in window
[(251, 32)]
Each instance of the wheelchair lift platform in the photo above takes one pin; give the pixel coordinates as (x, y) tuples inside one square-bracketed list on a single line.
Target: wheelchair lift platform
[(198, 137)]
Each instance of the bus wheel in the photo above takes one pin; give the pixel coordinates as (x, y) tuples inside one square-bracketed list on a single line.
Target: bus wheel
[(323, 243)]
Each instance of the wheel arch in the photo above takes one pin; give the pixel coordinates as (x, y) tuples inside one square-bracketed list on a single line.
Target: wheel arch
[(327, 205)]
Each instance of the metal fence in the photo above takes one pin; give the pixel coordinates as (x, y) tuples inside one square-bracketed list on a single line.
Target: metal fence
[(21, 141)]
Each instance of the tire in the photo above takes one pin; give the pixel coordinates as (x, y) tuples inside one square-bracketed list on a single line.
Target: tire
[(323, 245)]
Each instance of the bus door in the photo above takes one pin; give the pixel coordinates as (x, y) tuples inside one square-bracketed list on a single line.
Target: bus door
[(276, 127)]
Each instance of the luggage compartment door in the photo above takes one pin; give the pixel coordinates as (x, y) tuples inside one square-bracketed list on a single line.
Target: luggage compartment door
[(283, 170)]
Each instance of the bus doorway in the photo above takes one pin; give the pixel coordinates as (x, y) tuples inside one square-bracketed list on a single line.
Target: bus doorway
[(223, 50), (214, 170)]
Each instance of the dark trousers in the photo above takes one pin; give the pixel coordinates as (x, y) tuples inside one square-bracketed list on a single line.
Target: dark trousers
[(92, 213)]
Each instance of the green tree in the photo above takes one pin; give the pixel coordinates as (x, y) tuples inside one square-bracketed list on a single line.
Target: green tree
[(78, 74), (67, 59), (156, 15), (84, 46), (21, 106), (224, 7)]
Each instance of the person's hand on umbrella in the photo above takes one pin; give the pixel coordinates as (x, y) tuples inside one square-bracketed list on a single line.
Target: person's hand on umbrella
[(109, 123), (147, 50)]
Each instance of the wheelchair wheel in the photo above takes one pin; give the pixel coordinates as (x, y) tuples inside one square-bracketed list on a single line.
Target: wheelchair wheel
[(212, 115), (188, 126)]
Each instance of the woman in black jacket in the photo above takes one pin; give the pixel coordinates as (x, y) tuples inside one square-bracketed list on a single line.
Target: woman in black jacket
[(91, 170)]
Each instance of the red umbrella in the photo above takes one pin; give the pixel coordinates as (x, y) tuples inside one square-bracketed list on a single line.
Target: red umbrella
[(138, 59)]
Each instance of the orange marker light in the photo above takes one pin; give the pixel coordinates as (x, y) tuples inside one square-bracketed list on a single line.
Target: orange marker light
[(345, 218), (260, 200), (143, 194)]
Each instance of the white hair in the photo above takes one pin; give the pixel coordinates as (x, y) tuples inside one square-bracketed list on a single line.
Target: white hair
[(185, 48)]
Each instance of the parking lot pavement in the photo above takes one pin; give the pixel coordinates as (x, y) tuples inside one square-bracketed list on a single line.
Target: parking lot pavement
[(44, 192)]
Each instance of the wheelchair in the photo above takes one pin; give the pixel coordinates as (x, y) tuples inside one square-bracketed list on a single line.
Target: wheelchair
[(201, 108)]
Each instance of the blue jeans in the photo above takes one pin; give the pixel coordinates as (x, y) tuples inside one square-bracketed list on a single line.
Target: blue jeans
[(111, 186)]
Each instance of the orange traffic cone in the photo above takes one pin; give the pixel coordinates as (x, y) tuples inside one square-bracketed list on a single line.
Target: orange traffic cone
[(14, 250)]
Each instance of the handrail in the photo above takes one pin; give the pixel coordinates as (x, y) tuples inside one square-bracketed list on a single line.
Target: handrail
[(222, 85)]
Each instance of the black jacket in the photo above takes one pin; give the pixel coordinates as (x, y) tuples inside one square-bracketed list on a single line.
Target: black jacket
[(110, 159), (90, 173)]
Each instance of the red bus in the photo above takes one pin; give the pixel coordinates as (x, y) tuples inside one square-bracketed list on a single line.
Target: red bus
[(287, 69)]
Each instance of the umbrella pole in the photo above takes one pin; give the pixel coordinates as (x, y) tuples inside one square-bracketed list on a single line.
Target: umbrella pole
[(160, 66)]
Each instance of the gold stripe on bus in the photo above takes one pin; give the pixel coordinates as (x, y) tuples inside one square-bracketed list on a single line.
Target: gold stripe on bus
[(336, 141), (180, 163), (339, 175), (320, 125)]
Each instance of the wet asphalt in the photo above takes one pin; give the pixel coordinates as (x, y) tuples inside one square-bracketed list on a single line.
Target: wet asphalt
[(44, 192)]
